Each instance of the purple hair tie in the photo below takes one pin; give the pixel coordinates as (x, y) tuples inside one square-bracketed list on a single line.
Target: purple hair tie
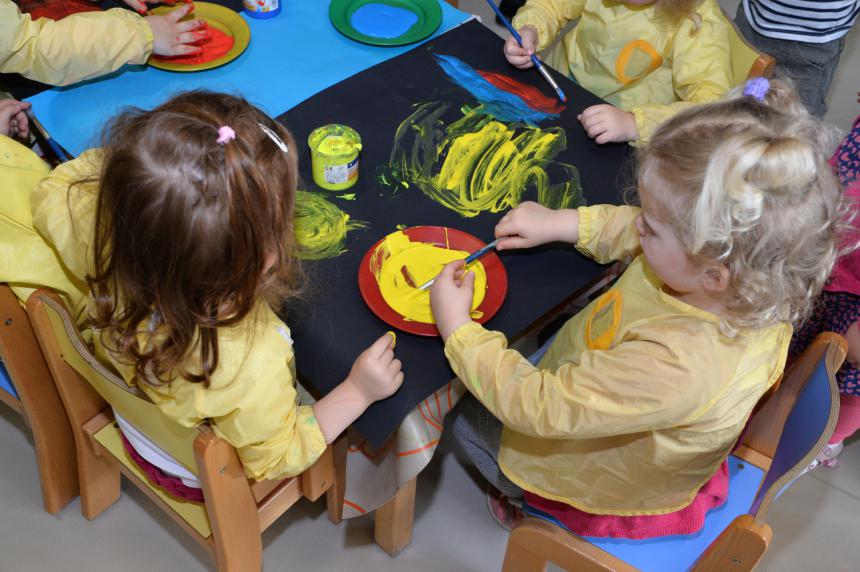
[(225, 135), (757, 87)]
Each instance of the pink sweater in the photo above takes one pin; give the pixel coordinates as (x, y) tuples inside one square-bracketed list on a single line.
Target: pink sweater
[(846, 161)]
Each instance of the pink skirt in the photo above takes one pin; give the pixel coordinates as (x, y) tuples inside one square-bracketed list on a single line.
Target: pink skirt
[(688, 520)]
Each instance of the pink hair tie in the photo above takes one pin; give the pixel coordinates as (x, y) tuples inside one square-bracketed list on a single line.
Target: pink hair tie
[(225, 135)]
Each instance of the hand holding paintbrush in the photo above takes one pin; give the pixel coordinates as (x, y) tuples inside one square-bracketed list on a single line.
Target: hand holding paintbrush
[(527, 45), (451, 297)]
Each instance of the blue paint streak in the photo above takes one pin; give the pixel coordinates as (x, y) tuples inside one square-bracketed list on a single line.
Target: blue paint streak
[(501, 104), (382, 20)]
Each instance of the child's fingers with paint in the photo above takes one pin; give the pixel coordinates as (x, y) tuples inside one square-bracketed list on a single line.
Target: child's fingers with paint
[(521, 56), (451, 297), (171, 37), (377, 373)]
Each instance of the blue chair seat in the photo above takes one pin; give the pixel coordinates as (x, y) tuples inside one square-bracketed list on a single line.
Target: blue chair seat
[(6, 382), (678, 553)]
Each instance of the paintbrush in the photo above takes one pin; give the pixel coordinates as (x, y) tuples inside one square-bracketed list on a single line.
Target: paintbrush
[(43, 133), (538, 64), (469, 259)]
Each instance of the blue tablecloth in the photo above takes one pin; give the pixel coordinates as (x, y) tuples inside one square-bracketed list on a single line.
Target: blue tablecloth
[(290, 58)]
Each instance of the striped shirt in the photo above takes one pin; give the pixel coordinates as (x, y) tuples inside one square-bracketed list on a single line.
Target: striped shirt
[(810, 21)]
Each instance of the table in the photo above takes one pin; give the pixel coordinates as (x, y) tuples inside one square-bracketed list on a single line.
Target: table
[(332, 325)]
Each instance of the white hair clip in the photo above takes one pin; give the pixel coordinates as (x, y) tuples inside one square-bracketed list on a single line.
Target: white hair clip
[(274, 137)]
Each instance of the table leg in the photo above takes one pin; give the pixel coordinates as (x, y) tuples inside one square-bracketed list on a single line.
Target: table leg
[(334, 496), (393, 527)]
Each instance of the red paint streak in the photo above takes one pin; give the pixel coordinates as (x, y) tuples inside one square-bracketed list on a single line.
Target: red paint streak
[(531, 95)]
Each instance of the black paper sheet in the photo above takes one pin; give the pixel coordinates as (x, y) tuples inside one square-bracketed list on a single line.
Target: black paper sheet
[(332, 325)]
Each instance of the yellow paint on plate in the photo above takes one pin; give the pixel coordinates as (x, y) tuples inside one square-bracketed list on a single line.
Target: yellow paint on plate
[(422, 262)]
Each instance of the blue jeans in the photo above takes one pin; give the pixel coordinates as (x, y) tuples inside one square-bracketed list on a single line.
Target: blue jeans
[(478, 434), (811, 66)]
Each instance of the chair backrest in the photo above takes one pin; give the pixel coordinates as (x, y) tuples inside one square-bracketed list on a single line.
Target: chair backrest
[(810, 422), (746, 61), (48, 312)]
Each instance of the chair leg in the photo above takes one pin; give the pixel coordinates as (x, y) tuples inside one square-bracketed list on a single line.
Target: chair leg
[(739, 547), (42, 407), (535, 542), (230, 504), (335, 495), (393, 527), (100, 480), (518, 556)]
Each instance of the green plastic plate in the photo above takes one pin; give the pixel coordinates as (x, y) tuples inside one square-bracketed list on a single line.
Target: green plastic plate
[(428, 12)]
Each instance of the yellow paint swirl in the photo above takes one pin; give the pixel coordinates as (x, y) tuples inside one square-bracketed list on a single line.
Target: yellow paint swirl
[(397, 257), (321, 227), (478, 164)]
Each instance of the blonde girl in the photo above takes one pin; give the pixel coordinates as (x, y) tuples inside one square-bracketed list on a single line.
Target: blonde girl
[(624, 426)]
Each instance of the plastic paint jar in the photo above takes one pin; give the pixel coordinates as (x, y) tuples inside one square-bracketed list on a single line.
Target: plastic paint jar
[(262, 9), (334, 156)]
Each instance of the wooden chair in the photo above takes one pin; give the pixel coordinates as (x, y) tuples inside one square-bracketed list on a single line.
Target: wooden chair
[(33, 395), (747, 62), (782, 438), (237, 510)]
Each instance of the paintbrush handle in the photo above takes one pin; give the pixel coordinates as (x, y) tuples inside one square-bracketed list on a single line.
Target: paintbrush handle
[(468, 260), (55, 147), (479, 253)]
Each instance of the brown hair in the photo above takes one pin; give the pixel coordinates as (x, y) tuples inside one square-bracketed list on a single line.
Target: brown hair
[(747, 183), (185, 228)]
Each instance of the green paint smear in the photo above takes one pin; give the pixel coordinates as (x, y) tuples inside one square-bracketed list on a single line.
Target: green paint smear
[(321, 227), (347, 196), (478, 164)]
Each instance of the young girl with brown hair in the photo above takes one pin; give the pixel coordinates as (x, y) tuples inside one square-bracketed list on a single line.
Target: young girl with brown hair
[(648, 58), (178, 238)]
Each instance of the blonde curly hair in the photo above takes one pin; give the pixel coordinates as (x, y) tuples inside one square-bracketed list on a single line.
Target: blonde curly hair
[(747, 183)]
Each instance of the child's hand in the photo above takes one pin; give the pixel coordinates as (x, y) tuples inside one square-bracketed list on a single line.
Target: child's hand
[(13, 120), (376, 373), (532, 224), (606, 123), (172, 37), (451, 297), (521, 57)]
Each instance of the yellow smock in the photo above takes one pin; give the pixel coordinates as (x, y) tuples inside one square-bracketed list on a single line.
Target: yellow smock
[(78, 47), (638, 400), (624, 55), (252, 401)]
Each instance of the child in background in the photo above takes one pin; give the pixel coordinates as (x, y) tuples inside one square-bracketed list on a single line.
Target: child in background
[(624, 426), (90, 44), (805, 37), (839, 307), (178, 236), (648, 58)]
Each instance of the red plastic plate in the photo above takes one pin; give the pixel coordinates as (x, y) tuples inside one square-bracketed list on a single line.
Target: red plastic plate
[(497, 278)]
